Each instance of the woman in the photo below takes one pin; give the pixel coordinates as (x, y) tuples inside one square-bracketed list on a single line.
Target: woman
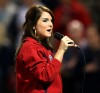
[(37, 70)]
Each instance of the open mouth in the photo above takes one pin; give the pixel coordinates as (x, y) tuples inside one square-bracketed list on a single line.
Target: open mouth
[(49, 30)]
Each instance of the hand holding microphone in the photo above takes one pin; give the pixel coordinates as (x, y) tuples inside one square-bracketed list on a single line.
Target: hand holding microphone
[(64, 44), (65, 41)]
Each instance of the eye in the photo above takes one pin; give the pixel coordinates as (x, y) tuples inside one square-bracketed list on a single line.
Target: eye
[(45, 20)]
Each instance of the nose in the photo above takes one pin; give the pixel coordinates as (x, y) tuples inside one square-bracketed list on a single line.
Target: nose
[(50, 24)]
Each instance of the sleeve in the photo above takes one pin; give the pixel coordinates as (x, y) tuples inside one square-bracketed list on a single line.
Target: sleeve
[(38, 65)]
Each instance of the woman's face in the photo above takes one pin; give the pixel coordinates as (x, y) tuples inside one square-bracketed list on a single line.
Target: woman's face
[(44, 25)]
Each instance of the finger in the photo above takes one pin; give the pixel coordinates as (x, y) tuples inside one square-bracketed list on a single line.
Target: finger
[(70, 42), (65, 37), (71, 45)]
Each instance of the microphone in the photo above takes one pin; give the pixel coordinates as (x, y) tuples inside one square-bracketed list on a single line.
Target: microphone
[(59, 36)]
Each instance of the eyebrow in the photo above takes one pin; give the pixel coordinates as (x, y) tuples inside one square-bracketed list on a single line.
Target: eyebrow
[(45, 18)]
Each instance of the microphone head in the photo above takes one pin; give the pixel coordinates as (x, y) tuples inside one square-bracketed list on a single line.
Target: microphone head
[(58, 35)]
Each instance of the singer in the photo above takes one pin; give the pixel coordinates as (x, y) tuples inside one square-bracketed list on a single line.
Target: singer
[(37, 69)]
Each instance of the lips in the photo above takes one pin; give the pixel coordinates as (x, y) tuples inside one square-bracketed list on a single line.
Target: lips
[(49, 30)]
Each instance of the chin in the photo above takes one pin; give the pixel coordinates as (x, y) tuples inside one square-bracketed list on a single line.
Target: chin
[(49, 35)]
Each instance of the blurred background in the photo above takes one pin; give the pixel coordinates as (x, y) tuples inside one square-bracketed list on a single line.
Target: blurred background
[(78, 19)]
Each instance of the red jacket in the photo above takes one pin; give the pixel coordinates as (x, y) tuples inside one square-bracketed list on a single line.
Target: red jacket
[(36, 69)]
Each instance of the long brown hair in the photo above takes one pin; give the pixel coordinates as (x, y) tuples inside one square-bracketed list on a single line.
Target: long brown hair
[(31, 18)]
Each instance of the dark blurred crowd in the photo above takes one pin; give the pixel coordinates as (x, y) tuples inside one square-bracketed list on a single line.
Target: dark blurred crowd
[(78, 19)]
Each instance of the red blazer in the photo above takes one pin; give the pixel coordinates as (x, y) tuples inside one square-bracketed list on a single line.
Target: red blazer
[(36, 69)]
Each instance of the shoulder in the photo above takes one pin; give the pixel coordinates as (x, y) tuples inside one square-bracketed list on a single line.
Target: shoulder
[(31, 47), (31, 43)]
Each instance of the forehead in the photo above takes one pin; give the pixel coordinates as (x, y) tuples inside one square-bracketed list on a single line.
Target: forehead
[(46, 15)]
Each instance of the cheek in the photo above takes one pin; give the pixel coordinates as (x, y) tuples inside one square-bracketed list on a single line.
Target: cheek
[(41, 30), (41, 27)]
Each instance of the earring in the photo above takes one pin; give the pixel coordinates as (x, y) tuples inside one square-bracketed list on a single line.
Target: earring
[(35, 32)]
